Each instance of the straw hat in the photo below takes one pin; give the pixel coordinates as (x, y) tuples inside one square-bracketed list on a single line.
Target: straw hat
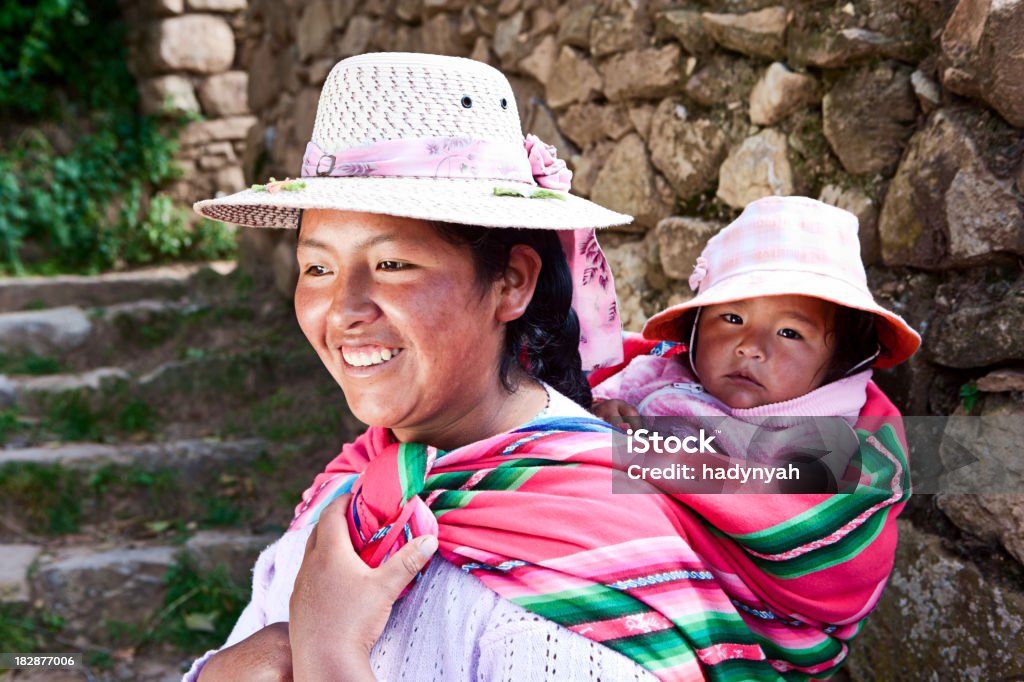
[(788, 245), (420, 136)]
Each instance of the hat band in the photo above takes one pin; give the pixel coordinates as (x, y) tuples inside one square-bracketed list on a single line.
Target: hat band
[(442, 157)]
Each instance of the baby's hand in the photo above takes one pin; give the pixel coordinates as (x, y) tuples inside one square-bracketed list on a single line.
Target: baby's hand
[(617, 413)]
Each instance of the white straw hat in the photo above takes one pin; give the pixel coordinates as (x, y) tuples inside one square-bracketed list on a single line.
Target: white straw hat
[(420, 136)]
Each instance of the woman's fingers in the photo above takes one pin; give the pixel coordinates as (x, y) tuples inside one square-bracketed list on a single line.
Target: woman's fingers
[(331, 529), (396, 573), (331, 533), (339, 605)]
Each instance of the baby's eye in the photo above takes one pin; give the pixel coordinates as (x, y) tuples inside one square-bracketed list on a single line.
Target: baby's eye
[(316, 270), (391, 265), (732, 318), (790, 333)]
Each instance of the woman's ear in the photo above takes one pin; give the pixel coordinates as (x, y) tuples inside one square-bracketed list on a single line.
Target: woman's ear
[(516, 286)]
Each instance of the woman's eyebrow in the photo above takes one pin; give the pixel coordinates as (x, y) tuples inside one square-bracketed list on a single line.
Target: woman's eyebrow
[(309, 243)]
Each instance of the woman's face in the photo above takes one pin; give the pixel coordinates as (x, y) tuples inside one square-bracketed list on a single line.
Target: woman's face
[(764, 350), (398, 316)]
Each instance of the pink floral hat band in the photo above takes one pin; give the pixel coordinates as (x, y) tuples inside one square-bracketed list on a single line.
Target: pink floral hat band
[(593, 294), (444, 157)]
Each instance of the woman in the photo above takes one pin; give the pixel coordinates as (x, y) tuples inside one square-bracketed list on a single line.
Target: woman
[(424, 322), (458, 344)]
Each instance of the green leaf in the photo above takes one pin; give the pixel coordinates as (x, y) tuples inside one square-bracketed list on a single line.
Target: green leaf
[(547, 194), (201, 622), (969, 396), (507, 192)]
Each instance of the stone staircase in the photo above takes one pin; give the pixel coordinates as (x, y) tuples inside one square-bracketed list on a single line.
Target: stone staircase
[(157, 428)]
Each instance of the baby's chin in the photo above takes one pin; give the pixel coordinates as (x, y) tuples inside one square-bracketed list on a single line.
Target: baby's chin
[(744, 403), (746, 400)]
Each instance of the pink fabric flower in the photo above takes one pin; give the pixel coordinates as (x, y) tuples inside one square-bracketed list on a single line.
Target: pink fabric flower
[(700, 271), (548, 170)]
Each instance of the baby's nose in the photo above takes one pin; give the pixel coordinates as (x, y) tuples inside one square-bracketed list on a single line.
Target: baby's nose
[(749, 348)]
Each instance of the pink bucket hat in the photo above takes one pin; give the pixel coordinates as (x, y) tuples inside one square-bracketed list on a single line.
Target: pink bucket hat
[(439, 138), (788, 245)]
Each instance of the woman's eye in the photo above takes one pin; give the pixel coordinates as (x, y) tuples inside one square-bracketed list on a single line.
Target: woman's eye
[(732, 318), (316, 270), (391, 265), (790, 333)]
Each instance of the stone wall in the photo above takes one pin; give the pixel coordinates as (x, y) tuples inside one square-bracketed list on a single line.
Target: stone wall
[(906, 112), (189, 56)]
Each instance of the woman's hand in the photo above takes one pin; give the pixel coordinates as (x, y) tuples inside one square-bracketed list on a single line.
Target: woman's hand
[(264, 656), (339, 605), (617, 413)]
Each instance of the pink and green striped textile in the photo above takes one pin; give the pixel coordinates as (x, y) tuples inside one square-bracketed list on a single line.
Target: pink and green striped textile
[(691, 587)]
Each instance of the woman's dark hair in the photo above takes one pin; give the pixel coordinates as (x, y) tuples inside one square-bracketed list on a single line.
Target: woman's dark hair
[(545, 339), (854, 337)]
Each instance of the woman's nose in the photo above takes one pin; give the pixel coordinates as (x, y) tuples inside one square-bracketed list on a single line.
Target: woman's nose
[(352, 304)]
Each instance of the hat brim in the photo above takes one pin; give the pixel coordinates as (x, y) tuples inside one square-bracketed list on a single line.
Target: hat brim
[(455, 200), (897, 339)]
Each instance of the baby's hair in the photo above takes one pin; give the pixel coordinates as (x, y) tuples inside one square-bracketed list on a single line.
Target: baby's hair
[(853, 337)]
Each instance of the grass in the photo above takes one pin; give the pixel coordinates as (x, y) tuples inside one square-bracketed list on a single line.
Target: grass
[(29, 363), (26, 629), (278, 419), (79, 416), (198, 611), (200, 607), (49, 497)]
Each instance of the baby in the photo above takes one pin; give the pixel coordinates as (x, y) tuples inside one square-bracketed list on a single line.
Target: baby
[(782, 325)]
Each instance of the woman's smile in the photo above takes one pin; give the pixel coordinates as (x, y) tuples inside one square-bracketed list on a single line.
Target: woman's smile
[(368, 355)]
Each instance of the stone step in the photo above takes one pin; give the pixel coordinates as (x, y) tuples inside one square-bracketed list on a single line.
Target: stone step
[(25, 391), (179, 398), (44, 332), (115, 594), (140, 489), (82, 338), (14, 571), (170, 281)]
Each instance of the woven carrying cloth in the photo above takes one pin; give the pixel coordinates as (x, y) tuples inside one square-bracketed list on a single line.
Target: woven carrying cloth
[(691, 587)]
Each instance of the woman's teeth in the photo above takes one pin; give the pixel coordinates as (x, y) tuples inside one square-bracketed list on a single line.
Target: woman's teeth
[(365, 358)]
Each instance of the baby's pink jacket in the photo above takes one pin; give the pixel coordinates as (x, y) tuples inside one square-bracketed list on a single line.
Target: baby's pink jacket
[(665, 387)]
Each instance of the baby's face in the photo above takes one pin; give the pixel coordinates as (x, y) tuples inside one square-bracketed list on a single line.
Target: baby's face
[(764, 350)]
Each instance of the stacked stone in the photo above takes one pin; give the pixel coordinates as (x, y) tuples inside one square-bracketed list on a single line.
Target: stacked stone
[(186, 57), (907, 114), (699, 112)]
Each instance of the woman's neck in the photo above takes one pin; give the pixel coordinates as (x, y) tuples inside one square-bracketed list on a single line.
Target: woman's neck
[(483, 416)]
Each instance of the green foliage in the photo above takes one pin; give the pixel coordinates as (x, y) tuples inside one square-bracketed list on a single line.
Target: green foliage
[(969, 396), (83, 184), (25, 629), (73, 416), (10, 423), (220, 512), (200, 608), (137, 417), (81, 416), (49, 496), (29, 364)]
